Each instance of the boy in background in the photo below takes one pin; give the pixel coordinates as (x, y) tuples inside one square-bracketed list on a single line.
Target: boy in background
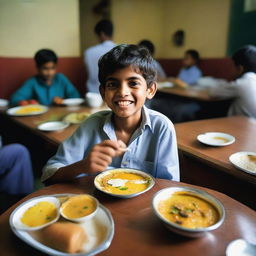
[(47, 87), (104, 32), (243, 89), (190, 73), (161, 76), (130, 135)]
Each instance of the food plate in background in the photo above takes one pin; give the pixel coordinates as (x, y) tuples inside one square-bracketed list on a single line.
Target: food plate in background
[(245, 161), (3, 103), (124, 182), (29, 110), (76, 118), (73, 101), (99, 231), (52, 126), (216, 139), (165, 85)]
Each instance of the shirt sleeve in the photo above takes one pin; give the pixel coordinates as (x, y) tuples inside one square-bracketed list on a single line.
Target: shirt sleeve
[(168, 161), (25, 92), (190, 76), (72, 150), (224, 89), (70, 90)]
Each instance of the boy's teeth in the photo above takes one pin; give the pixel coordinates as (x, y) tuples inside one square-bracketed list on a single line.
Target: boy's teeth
[(124, 103)]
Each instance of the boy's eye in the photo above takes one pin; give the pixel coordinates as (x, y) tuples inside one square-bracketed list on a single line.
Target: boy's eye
[(133, 83), (111, 85)]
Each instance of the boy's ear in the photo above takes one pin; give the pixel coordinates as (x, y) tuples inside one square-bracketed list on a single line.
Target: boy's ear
[(151, 91)]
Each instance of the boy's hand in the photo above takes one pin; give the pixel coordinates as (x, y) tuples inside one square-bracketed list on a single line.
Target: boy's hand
[(101, 155), (33, 102), (23, 103), (57, 100)]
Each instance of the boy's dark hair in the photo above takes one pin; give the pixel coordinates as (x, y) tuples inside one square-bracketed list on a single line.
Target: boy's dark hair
[(149, 45), (104, 26), (45, 55), (246, 57), (125, 55), (194, 54)]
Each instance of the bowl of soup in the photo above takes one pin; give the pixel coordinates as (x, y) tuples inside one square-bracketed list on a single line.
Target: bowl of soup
[(124, 183), (188, 211), (36, 213), (79, 208)]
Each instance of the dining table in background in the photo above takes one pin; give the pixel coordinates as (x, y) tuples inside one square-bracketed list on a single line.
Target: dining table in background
[(210, 166), (137, 229), (42, 144), (209, 106)]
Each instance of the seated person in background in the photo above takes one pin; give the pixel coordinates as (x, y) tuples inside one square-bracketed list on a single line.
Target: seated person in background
[(190, 73), (16, 175), (127, 78), (150, 46), (243, 89), (104, 32), (47, 87)]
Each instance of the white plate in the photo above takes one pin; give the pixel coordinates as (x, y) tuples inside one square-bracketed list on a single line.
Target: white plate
[(4, 103), (20, 210), (75, 118), (240, 247), (73, 102), (237, 160), (210, 138), (165, 84), (13, 111), (52, 126), (129, 170), (102, 223)]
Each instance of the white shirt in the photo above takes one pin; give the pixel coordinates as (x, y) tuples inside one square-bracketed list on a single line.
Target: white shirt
[(243, 90), (91, 58), (152, 148)]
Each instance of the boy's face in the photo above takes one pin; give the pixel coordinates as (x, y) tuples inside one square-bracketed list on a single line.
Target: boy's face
[(126, 91), (188, 61), (47, 70)]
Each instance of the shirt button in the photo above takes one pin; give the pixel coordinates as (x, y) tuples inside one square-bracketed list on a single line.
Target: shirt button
[(125, 163)]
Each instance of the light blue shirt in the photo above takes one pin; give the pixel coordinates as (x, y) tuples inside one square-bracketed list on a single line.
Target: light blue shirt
[(153, 146), (190, 75), (91, 58)]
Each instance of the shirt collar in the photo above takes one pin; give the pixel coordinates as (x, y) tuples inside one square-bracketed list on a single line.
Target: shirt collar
[(109, 128)]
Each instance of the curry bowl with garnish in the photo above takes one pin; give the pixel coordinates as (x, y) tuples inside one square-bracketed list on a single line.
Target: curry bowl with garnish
[(124, 183), (188, 211), (37, 213), (79, 208)]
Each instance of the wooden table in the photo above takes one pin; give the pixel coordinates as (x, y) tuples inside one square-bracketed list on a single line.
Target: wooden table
[(137, 229), (210, 166), (53, 114), (191, 92)]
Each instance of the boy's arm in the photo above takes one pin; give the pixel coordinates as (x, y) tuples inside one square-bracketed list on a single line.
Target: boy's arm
[(167, 159), (25, 92), (70, 90)]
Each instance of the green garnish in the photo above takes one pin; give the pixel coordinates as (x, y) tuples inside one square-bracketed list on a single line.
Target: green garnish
[(175, 210), (123, 188), (48, 218), (85, 207)]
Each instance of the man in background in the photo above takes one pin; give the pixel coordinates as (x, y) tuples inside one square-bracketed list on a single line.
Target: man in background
[(104, 31)]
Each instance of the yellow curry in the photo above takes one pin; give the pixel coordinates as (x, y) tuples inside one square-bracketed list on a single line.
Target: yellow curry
[(28, 110), (78, 206), (188, 210), (39, 214), (221, 139), (124, 183)]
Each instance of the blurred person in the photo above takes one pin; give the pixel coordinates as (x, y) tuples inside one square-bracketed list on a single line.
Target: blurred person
[(104, 32), (47, 86)]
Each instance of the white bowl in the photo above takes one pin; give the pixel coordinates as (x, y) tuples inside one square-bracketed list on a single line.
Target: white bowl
[(20, 210), (82, 219), (209, 138), (129, 170), (93, 100), (189, 232), (4, 103), (52, 126), (72, 102)]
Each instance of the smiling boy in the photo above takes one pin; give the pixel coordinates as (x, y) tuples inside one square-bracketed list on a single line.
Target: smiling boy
[(128, 136)]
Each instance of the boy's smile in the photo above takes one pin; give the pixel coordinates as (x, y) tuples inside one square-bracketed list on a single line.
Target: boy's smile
[(126, 91)]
